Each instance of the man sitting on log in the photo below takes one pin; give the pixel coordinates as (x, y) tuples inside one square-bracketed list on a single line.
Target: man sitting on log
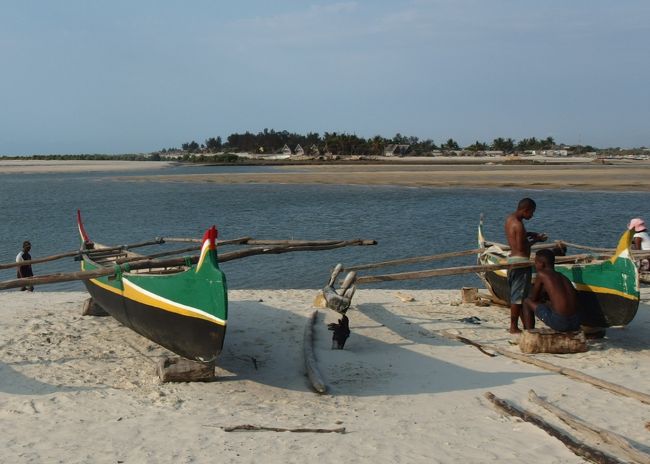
[(559, 310)]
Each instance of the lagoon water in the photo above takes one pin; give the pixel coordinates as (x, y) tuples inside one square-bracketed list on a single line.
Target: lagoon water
[(405, 221)]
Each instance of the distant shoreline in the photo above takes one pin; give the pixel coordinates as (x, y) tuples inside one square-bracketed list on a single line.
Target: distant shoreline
[(542, 176), (412, 172)]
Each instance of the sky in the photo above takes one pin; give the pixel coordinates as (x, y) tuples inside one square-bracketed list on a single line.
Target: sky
[(91, 76)]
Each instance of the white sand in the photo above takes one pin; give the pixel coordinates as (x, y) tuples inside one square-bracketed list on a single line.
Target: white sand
[(82, 389), (43, 166)]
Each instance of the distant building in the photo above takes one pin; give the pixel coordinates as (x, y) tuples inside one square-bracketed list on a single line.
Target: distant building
[(286, 150), (298, 151), (395, 149)]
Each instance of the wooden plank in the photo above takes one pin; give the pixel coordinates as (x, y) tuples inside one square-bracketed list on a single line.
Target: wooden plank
[(580, 449)]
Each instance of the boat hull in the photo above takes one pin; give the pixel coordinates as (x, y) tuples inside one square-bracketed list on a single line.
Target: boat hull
[(608, 290), (189, 337), (597, 309)]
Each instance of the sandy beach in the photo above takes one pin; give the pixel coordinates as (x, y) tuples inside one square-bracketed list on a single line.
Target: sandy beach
[(82, 389), (585, 176), (61, 166)]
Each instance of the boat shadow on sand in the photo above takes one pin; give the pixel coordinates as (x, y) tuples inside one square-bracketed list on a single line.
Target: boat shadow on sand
[(13, 382), (402, 359)]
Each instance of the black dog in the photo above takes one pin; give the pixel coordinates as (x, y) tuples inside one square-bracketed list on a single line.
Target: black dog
[(341, 332)]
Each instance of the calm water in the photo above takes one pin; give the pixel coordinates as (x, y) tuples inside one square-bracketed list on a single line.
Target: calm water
[(405, 221)]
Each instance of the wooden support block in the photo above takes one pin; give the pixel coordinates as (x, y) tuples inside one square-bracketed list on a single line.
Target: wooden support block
[(594, 332), (469, 294), (90, 308), (185, 370), (550, 341)]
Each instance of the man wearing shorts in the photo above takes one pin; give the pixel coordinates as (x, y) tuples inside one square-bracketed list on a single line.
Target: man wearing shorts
[(560, 310), (519, 278)]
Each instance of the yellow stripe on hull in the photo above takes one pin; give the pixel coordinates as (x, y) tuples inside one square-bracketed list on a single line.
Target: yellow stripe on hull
[(610, 291), (140, 295)]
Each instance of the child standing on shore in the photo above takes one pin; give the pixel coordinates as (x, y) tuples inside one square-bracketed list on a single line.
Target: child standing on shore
[(25, 270)]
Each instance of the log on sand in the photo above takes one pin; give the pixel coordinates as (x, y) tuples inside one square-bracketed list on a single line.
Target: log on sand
[(313, 373), (615, 440), (184, 370), (550, 341), (580, 449)]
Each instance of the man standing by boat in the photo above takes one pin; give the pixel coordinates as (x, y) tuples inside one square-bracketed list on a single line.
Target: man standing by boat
[(25, 270), (519, 279)]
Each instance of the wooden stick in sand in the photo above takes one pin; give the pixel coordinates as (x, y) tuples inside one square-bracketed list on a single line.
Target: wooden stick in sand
[(580, 449), (313, 373), (615, 440), (260, 428)]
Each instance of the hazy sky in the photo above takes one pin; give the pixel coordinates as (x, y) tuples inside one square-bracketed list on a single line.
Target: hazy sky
[(85, 76)]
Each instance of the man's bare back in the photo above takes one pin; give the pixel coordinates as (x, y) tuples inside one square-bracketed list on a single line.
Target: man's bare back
[(560, 291)]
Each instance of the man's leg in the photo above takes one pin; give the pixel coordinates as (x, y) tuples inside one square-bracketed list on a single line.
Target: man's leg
[(528, 314), (515, 314)]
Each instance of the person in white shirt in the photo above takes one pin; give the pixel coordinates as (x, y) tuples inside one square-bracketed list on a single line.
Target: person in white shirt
[(640, 241)]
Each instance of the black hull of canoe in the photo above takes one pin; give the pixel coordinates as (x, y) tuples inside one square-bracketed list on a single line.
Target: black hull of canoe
[(596, 309), (189, 337)]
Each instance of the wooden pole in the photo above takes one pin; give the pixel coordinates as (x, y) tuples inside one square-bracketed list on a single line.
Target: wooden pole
[(252, 241), (456, 270), (580, 449), (576, 375), (225, 257), (158, 264), (571, 373), (615, 440), (68, 254), (417, 259)]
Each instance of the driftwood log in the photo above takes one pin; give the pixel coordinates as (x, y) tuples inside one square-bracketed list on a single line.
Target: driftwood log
[(549, 341), (578, 448), (623, 447), (91, 308), (315, 378), (184, 370)]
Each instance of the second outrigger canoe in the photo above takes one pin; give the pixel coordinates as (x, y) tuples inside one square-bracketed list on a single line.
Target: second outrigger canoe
[(184, 309), (608, 289)]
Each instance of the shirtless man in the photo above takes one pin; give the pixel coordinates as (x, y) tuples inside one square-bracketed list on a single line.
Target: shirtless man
[(560, 312), (520, 241)]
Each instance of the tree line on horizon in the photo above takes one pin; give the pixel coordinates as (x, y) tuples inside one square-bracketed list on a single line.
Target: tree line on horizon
[(344, 144)]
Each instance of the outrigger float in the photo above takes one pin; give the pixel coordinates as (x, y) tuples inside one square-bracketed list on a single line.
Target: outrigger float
[(179, 303), (607, 281)]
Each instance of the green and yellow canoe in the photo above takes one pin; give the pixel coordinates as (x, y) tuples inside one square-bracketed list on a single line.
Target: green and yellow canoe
[(608, 289), (184, 309)]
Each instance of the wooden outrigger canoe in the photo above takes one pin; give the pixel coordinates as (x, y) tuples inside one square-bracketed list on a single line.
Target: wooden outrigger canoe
[(608, 289), (184, 308)]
